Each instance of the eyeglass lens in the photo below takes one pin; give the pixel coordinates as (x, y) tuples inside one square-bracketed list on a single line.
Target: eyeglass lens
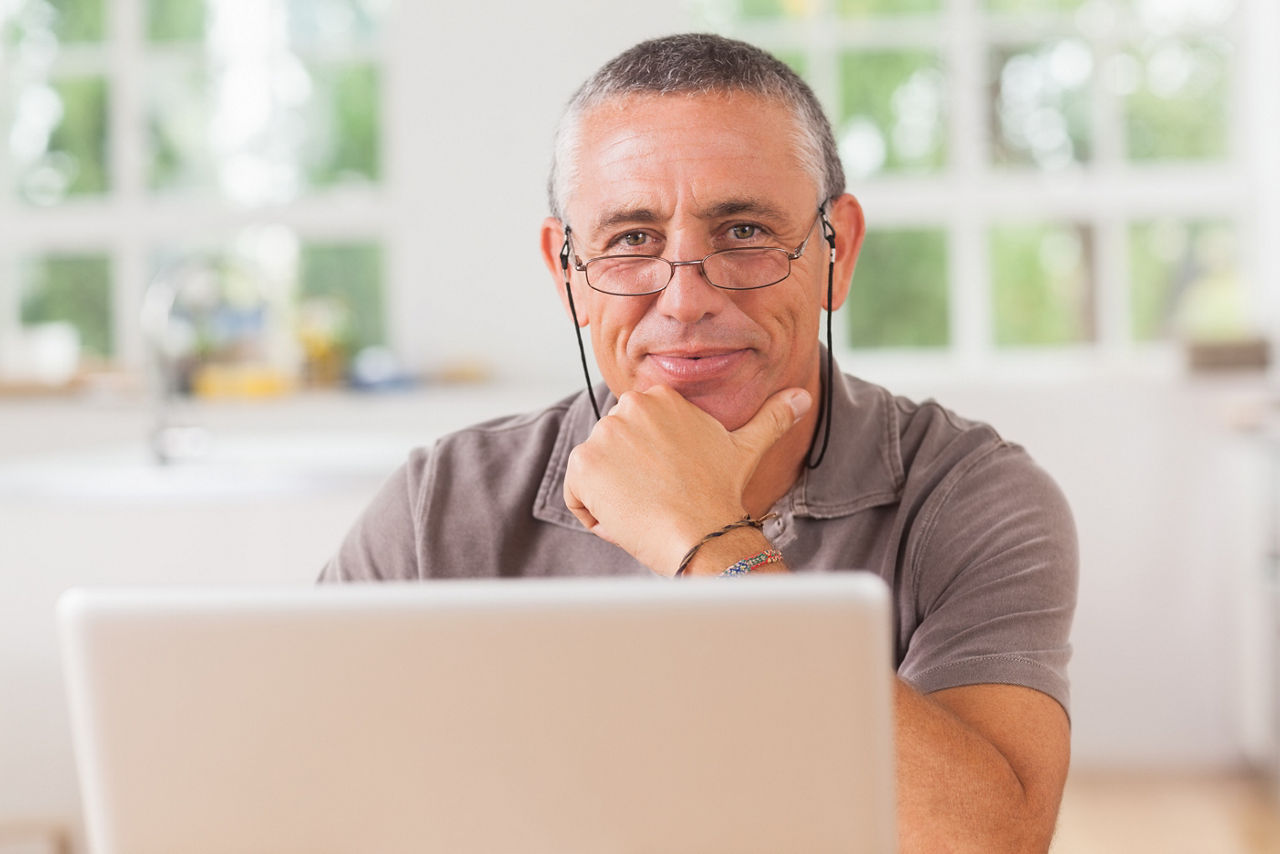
[(739, 269)]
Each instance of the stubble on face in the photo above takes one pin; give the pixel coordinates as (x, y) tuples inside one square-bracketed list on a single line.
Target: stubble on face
[(679, 170)]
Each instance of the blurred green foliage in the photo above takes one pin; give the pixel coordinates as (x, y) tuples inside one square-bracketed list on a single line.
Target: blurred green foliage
[(899, 296), (82, 134), (1039, 116), (765, 9), (1042, 284), (900, 93), (179, 118), (73, 288), (1180, 109), (350, 95), (176, 20), (795, 60), (1168, 258), (351, 274), (79, 20)]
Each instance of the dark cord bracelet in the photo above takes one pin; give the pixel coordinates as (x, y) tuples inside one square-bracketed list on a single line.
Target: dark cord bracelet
[(744, 522)]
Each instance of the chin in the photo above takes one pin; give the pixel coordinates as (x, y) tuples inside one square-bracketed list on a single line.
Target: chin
[(731, 413)]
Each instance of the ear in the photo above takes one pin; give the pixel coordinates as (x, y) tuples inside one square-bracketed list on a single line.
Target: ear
[(552, 243), (850, 227)]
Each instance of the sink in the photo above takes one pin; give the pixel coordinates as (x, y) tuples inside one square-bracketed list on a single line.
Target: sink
[(234, 466)]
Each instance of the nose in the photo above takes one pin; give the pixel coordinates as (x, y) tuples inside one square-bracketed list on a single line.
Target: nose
[(689, 297)]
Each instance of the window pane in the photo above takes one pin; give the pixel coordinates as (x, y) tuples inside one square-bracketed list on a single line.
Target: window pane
[(343, 122), (1185, 280), (176, 20), (768, 9), (49, 22), (78, 20), (869, 8), (265, 133), (333, 21), (1178, 94), (341, 286), (75, 289), (59, 139), (179, 125), (1040, 104), (1042, 284), (891, 116), (899, 294)]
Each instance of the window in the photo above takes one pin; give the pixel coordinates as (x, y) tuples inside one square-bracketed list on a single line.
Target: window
[(138, 134), (1038, 175)]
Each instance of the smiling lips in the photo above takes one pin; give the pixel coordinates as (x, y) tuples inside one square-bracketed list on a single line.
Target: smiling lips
[(693, 366)]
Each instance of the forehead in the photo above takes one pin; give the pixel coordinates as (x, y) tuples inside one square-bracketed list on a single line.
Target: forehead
[(700, 155)]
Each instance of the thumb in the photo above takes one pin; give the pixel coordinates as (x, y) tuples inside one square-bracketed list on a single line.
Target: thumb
[(778, 415)]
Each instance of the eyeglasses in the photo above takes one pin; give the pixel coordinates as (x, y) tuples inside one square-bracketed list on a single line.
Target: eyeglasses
[(743, 269)]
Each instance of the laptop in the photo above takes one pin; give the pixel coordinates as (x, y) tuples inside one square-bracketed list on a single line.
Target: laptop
[(566, 716)]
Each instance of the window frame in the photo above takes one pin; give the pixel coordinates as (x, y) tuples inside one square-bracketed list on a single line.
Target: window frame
[(130, 221), (1109, 193)]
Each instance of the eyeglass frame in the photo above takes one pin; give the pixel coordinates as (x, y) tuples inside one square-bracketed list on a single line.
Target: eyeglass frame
[(791, 255)]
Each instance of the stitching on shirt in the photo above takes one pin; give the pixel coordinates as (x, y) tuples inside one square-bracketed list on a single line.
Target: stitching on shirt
[(892, 448), (556, 464), (995, 656)]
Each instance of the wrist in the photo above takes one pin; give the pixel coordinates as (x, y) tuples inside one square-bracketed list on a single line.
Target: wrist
[(716, 556), (739, 524)]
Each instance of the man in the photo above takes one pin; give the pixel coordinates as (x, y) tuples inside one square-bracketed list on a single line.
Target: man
[(719, 411)]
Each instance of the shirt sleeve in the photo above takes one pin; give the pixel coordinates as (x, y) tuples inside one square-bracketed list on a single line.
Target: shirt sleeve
[(996, 570), (382, 544)]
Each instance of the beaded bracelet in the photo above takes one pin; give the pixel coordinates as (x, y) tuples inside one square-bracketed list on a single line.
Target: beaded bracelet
[(744, 522), (745, 565)]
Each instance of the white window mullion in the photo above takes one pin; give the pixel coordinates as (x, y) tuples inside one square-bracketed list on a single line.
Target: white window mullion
[(1112, 306), (127, 43), (9, 295), (1255, 139), (968, 149)]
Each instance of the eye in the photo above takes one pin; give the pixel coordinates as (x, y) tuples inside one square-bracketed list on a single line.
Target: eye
[(633, 239), (744, 231)]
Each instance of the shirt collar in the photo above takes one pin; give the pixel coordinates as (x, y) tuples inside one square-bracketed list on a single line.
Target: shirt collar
[(863, 466)]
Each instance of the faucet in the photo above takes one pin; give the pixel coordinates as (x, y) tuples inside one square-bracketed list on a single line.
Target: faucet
[(183, 309)]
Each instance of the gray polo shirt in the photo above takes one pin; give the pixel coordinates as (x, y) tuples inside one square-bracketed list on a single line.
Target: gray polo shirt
[(974, 539)]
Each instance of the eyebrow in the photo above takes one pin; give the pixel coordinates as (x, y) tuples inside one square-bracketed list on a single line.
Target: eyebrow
[(730, 207)]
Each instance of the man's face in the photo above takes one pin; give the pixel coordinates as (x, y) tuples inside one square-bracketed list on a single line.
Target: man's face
[(681, 177)]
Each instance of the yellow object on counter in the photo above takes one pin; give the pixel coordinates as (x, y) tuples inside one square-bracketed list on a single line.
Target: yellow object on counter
[(240, 381)]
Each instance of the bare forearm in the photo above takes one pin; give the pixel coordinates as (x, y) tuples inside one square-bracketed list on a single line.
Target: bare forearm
[(957, 791)]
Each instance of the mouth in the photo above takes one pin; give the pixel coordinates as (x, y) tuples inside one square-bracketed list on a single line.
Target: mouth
[(691, 366)]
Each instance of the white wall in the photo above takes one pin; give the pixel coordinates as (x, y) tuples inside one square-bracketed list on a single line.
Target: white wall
[(474, 92)]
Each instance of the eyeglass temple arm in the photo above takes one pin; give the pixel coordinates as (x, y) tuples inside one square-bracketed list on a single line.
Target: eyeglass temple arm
[(823, 423), (577, 330)]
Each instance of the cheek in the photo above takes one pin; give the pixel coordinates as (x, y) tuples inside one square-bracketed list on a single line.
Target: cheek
[(613, 319), (792, 324)]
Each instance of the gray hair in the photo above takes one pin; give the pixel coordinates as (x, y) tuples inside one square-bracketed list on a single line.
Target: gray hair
[(698, 63)]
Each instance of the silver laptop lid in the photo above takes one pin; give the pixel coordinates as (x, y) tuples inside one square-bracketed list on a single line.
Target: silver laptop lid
[(565, 716)]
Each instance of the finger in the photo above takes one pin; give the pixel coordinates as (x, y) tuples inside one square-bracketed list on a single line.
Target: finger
[(778, 415), (572, 500), (578, 509)]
